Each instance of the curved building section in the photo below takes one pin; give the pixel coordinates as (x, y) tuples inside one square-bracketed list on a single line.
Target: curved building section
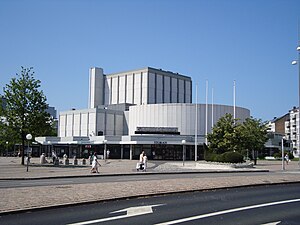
[(180, 116)]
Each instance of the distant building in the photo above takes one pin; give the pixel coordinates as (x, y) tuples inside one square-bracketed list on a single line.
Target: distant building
[(292, 129), (287, 127), (52, 111), (277, 125), (3, 101)]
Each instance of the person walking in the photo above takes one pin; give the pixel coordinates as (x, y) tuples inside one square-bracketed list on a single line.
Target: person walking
[(54, 156), (145, 160), (139, 165), (286, 158), (95, 164)]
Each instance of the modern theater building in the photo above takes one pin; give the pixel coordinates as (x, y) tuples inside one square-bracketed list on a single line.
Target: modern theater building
[(147, 110)]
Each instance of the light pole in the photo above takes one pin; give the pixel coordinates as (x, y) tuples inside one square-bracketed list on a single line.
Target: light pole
[(282, 153), (295, 62), (183, 151), (28, 137), (6, 149), (196, 124), (104, 153)]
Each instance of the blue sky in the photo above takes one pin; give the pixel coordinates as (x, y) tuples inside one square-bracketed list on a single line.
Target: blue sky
[(252, 42)]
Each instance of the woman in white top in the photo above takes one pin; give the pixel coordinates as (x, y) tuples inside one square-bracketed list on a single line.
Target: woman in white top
[(145, 160), (95, 164)]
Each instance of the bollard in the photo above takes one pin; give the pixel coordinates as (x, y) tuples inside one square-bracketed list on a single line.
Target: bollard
[(75, 161), (66, 161), (56, 162), (83, 161)]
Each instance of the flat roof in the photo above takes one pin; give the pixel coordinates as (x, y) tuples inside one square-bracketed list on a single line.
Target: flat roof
[(151, 69)]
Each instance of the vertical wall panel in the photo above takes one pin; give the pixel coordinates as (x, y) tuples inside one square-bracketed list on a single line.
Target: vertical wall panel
[(92, 123), (181, 91), (174, 90), (114, 91), (159, 88), (76, 129), (100, 122), (145, 88), (167, 91), (122, 89), (69, 125), (110, 124), (137, 88), (151, 91), (188, 97), (119, 125), (107, 91), (84, 124), (62, 125), (129, 92)]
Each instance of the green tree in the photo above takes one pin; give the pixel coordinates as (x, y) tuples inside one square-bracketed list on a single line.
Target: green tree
[(25, 110), (228, 135), (223, 137), (252, 135)]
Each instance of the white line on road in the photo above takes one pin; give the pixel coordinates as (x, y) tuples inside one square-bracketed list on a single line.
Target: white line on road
[(227, 211), (273, 223), (130, 212)]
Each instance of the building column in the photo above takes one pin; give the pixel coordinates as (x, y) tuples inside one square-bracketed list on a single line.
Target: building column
[(122, 151), (130, 152)]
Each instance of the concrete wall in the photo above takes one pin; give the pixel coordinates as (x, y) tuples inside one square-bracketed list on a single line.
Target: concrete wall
[(90, 121), (144, 86), (96, 87), (181, 116)]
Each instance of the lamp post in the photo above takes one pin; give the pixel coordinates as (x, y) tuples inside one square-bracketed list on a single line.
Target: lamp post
[(28, 137), (282, 153), (6, 149), (295, 62), (183, 151), (104, 153), (196, 124)]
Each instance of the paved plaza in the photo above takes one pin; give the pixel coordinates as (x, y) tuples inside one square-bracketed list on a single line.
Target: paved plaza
[(26, 198)]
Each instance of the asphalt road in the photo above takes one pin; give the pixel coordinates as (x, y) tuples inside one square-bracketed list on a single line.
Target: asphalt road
[(123, 178), (274, 204)]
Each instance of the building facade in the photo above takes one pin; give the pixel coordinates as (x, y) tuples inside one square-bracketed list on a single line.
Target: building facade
[(139, 87), (147, 110), (292, 129)]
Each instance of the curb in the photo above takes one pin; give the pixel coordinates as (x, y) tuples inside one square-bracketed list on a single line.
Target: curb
[(134, 174)]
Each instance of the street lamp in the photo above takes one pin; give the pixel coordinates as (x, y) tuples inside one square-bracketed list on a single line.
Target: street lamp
[(28, 137), (104, 154), (282, 153), (295, 62), (183, 151), (6, 149)]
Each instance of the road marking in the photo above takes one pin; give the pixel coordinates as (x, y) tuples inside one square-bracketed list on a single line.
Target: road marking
[(273, 223), (227, 211), (132, 211)]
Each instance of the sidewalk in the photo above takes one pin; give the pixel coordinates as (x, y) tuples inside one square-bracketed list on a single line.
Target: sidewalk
[(11, 169), (18, 199)]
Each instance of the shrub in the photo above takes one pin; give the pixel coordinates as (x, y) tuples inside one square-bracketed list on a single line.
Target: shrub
[(209, 156), (277, 155), (228, 157), (232, 157)]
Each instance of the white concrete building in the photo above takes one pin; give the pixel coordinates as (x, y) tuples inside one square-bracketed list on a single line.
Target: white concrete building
[(292, 130), (147, 110), (139, 87)]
